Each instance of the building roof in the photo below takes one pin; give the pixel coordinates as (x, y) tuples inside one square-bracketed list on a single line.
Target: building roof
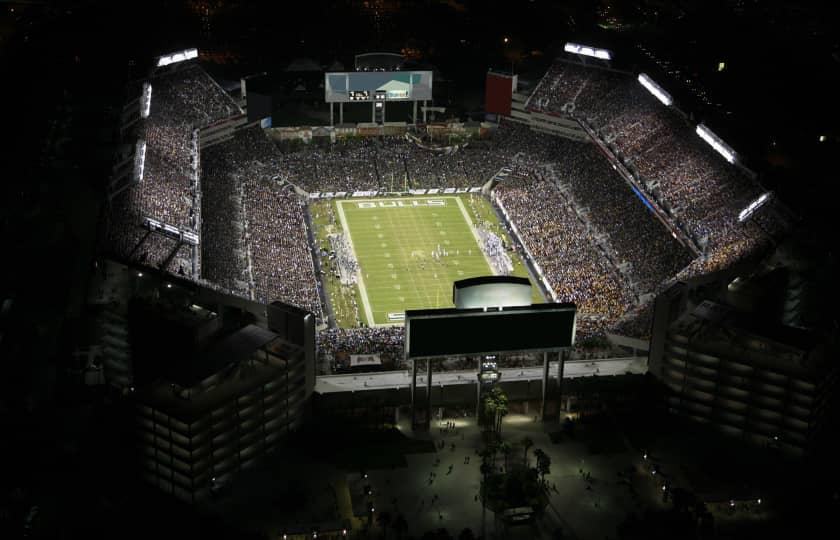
[(230, 350)]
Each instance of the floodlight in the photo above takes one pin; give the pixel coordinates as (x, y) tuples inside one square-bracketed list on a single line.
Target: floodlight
[(139, 160), (146, 100), (180, 56), (753, 206), (715, 142), (584, 50), (655, 89)]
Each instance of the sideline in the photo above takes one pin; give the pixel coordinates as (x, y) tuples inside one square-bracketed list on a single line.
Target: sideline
[(474, 233), (362, 289)]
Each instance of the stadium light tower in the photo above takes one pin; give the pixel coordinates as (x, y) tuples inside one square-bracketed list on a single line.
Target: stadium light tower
[(655, 89), (747, 212), (179, 56), (585, 50), (146, 100), (715, 142), (139, 160)]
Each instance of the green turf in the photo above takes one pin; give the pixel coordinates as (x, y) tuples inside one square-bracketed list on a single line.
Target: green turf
[(481, 211), (394, 246)]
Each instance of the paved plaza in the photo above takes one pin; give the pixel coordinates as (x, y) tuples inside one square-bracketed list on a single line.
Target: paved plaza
[(590, 493)]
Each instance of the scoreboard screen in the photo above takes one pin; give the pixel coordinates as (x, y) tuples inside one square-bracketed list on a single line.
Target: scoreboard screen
[(377, 86), (456, 332)]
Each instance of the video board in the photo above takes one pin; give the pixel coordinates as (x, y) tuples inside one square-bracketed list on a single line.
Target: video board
[(356, 86), (457, 332)]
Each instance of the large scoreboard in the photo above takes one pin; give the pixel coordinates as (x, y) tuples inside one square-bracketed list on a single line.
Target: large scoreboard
[(432, 333), (368, 86)]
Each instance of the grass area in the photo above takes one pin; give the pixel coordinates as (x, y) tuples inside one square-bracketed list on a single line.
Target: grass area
[(404, 274), (395, 241), (342, 297), (483, 215)]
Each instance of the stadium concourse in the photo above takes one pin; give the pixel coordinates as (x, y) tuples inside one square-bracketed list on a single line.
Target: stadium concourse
[(576, 221)]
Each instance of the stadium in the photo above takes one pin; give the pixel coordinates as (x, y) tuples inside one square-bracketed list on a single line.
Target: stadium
[(597, 188)]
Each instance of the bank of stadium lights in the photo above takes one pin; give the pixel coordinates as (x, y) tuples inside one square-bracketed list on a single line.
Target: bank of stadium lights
[(180, 56), (584, 50), (146, 100), (753, 206), (714, 141), (655, 89), (139, 160)]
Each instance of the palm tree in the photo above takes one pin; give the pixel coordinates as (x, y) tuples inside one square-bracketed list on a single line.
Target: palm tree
[(505, 448), (501, 407), (384, 520), (489, 410), (527, 442), (466, 534), (400, 525), (496, 407), (543, 464)]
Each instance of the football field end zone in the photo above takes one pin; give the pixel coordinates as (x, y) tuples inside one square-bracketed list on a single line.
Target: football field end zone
[(366, 303)]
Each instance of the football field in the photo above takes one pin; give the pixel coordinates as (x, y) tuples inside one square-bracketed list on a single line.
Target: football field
[(410, 250)]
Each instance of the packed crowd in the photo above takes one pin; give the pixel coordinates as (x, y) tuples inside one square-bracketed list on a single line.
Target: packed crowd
[(700, 191), (254, 226), (561, 245), (395, 163), (387, 341), (169, 191), (635, 236)]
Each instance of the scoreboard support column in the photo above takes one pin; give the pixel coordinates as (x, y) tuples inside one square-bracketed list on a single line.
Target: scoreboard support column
[(429, 394), (340, 112), (562, 356), (331, 114), (413, 394), (414, 115), (544, 386)]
